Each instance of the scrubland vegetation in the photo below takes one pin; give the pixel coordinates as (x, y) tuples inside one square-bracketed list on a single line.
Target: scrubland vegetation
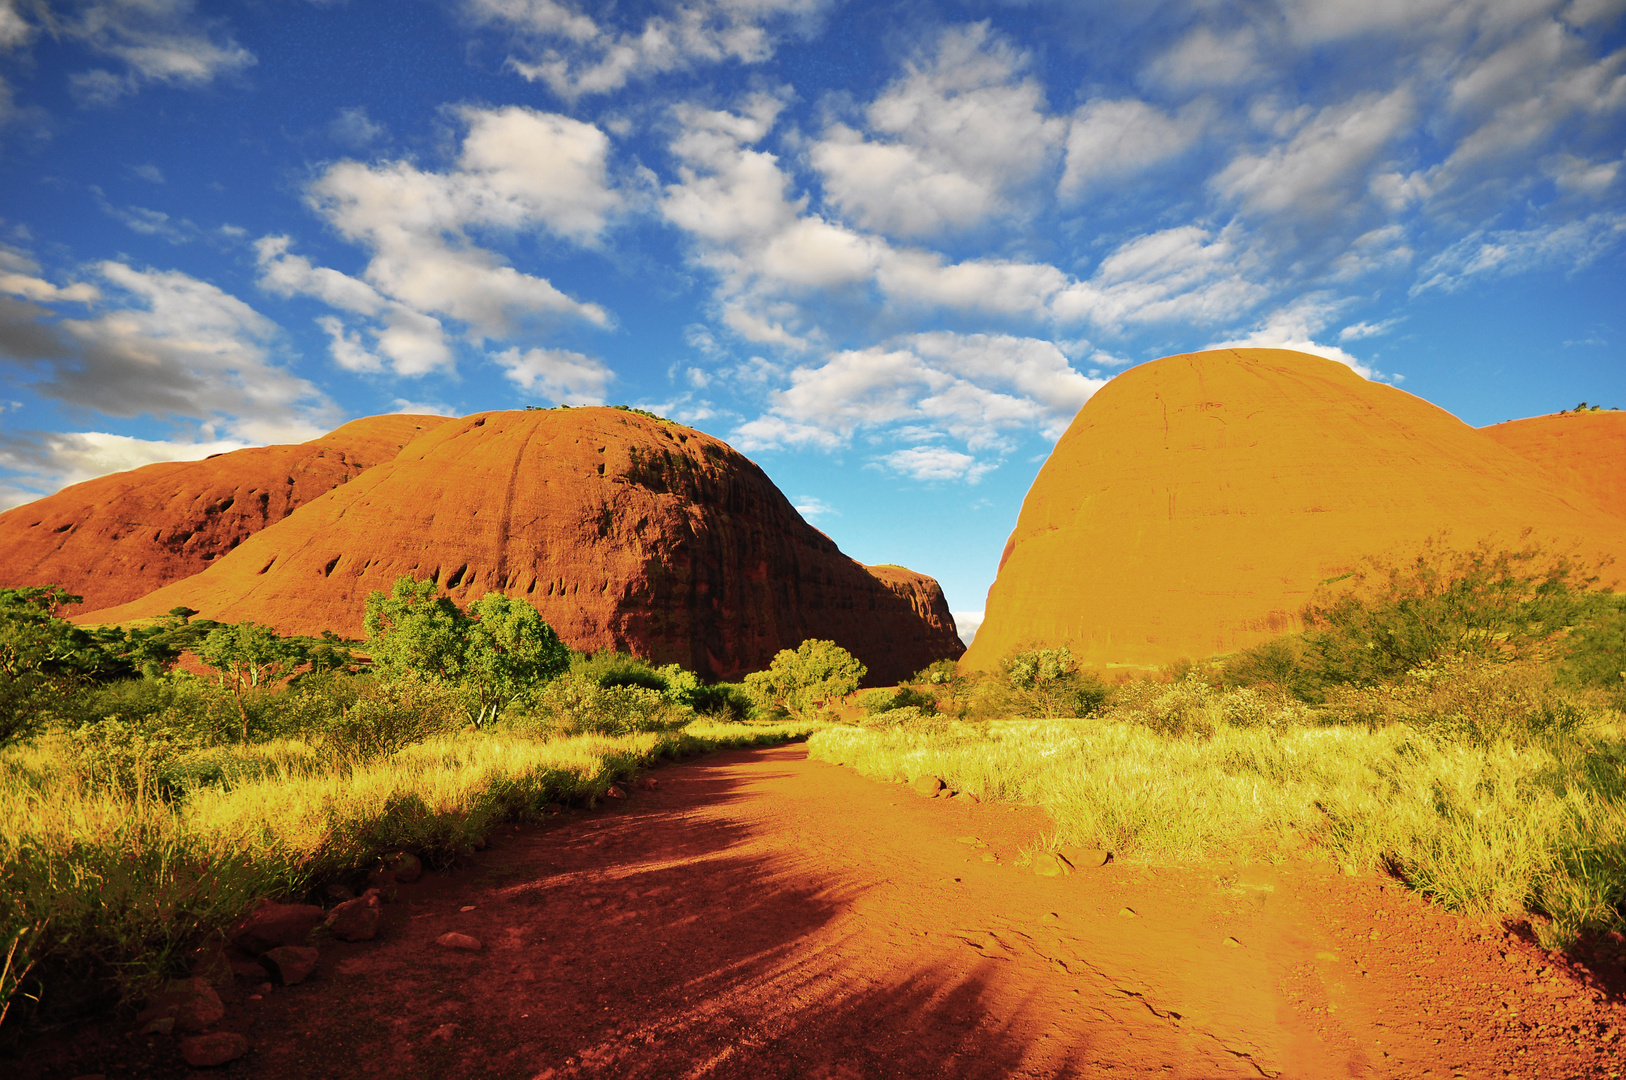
[(1453, 718), (142, 810)]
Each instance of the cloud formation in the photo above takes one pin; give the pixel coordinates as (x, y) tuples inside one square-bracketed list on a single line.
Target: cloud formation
[(576, 55), (518, 171)]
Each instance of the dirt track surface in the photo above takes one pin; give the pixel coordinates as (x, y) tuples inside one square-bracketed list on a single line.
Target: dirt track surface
[(763, 915)]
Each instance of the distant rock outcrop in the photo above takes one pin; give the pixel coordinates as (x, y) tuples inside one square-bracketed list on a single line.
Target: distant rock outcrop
[(1586, 450), (623, 530), (119, 537), (1196, 502)]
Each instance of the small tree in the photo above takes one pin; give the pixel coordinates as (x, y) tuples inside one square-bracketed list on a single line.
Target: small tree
[(250, 654), (499, 649), (802, 681)]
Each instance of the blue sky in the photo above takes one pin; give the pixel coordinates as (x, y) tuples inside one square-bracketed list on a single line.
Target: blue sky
[(886, 249)]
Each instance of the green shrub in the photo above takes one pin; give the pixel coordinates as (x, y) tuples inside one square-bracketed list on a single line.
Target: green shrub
[(1396, 615), (1471, 700), (1595, 654), (1194, 708), (904, 697), (607, 667), (803, 681), (722, 701), (577, 705)]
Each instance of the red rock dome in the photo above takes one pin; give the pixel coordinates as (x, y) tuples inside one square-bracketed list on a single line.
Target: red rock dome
[(119, 537), (1585, 450), (1196, 501), (623, 530)]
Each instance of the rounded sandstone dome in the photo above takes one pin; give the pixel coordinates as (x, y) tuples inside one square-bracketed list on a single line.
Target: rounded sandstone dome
[(625, 531), (1196, 502), (119, 537)]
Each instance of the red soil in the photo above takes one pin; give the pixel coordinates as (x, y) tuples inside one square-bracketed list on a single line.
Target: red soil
[(1196, 502), (623, 531), (121, 536), (760, 915), (1586, 451)]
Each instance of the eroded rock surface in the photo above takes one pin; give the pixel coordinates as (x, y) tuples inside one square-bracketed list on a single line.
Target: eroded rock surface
[(119, 537), (1585, 450), (624, 531)]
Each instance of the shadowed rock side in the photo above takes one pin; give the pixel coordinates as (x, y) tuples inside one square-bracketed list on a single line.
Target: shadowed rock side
[(119, 537), (1196, 502), (1587, 451), (623, 531)]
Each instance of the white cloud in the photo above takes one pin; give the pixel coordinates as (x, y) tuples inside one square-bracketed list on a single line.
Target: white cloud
[(967, 623), (157, 41), (575, 55), (1314, 174), (1573, 245), (810, 507), (1361, 330), (173, 346), (569, 378), (1205, 58), (936, 463), (1577, 176), (15, 31), (152, 174), (518, 170), (962, 127), (43, 463), (1294, 326), (1185, 273), (19, 276), (979, 389), (355, 129), (1110, 140)]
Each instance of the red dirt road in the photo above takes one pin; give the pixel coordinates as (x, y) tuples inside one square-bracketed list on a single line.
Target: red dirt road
[(762, 915)]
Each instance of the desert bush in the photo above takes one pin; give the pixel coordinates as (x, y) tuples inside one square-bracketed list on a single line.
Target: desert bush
[(498, 651), (1282, 666), (724, 701), (938, 673), (803, 681), (882, 700), (1390, 616), (1047, 683), (1473, 700), (577, 705), (608, 667), (1595, 654), (365, 718), (1195, 708)]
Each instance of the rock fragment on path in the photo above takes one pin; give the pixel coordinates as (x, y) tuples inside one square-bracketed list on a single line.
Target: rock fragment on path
[(383, 883), (355, 920), (215, 1048), (1049, 864), (191, 1005), (928, 786), (461, 942), (405, 866), (291, 964), (614, 792), (273, 924), (1085, 858)]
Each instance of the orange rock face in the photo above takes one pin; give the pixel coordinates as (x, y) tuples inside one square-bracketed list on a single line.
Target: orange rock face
[(119, 537), (624, 532), (1587, 451), (1196, 502)]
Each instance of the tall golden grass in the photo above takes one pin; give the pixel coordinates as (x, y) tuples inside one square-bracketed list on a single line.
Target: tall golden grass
[(93, 870), (1498, 827)]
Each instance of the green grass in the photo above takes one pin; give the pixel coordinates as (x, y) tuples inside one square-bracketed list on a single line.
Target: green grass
[(1496, 829), (91, 872)]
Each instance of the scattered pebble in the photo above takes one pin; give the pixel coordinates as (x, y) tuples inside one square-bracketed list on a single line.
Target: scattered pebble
[(466, 907), (462, 942), (1128, 913)]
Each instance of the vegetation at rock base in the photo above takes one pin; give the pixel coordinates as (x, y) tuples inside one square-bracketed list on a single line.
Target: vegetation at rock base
[(143, 809), (802, 682), (1452, 718)]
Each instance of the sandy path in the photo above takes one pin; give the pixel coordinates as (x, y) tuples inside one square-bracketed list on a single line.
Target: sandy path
[(762, 915)]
